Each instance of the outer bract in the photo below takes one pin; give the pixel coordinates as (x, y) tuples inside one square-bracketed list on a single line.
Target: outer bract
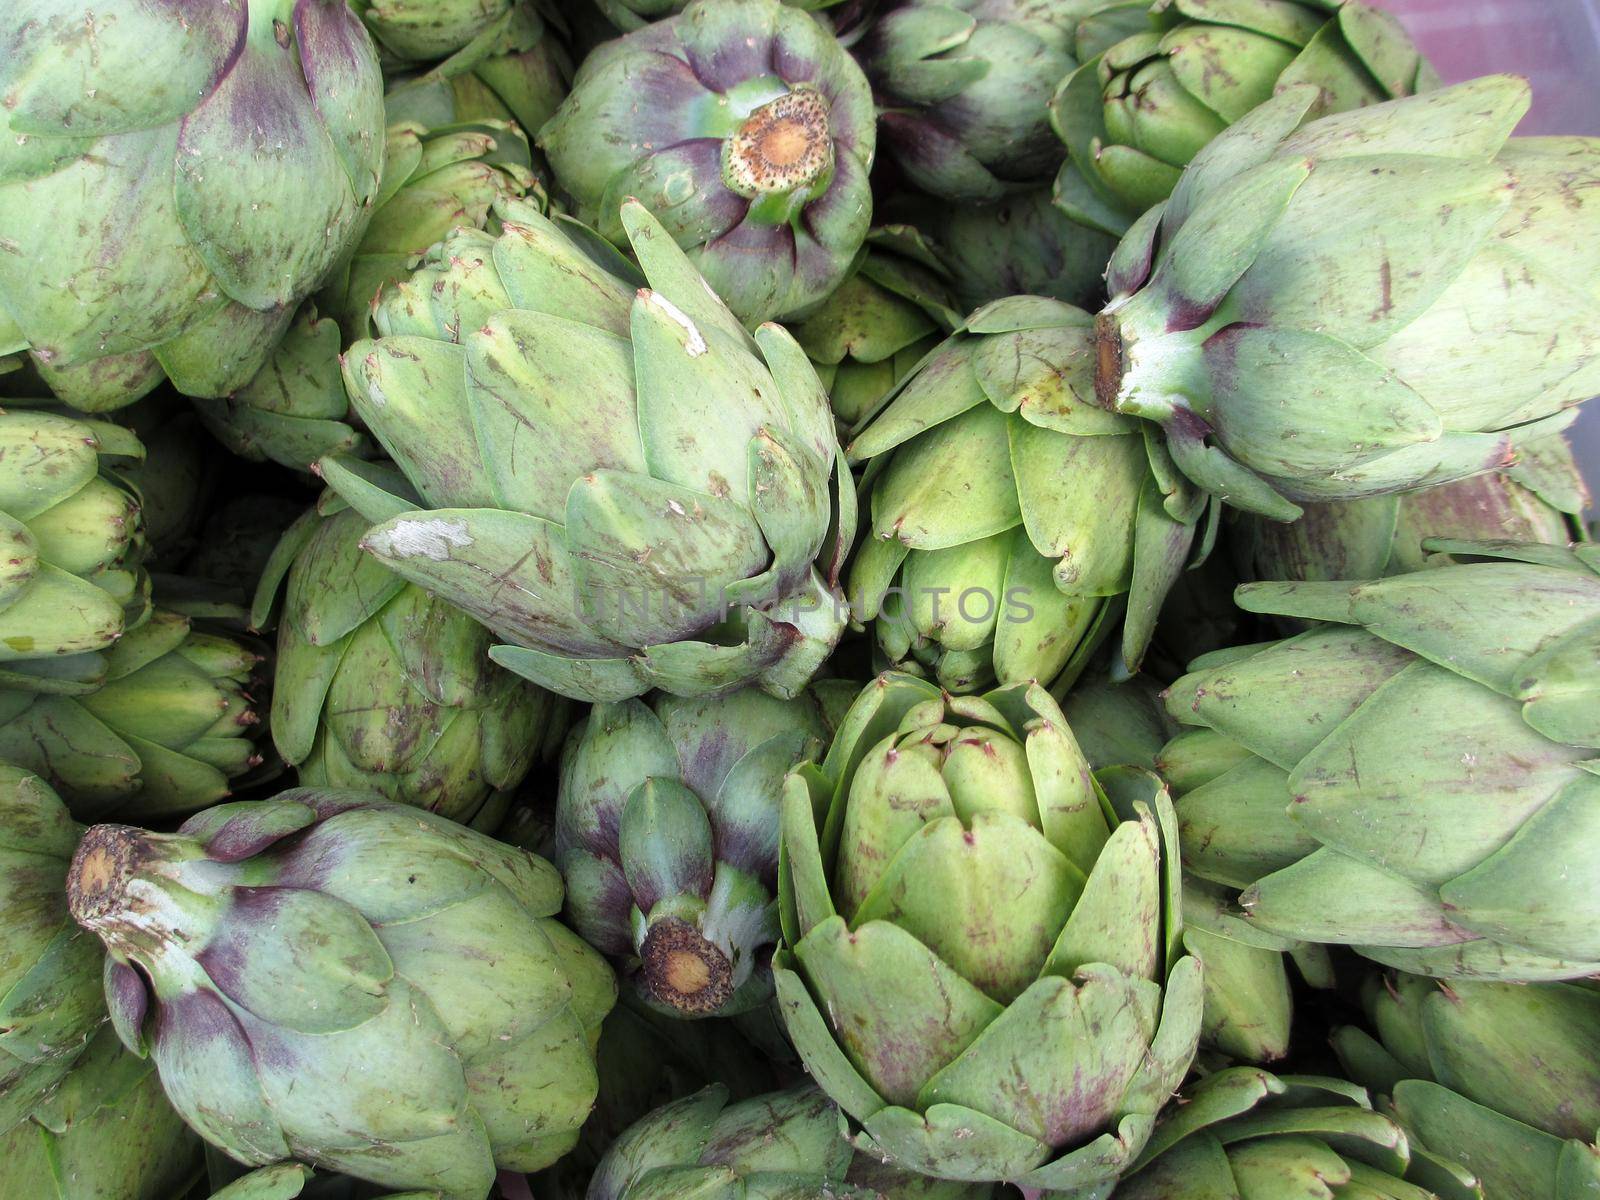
[(362, 986), (1540, 499), (49, 969), (1384, 300), (158, 725), (1135, 116), (667, 836), (876, 325), (379, 685), (107, 1133), (617, 478), (982, 958), (1010, 515), (73, 578), (1502, 1078), (965, 85), (747, 129), (1414, 778), (160, 134), (434, 180), (1245, 1133), (790, 1143)]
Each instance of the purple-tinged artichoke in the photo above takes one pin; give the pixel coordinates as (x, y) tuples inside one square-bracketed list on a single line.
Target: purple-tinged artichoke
[(746, 129)]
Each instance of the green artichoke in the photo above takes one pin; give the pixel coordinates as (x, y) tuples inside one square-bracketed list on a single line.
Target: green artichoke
[(158, 725), (1540, 499), (876, 325), (1243, 1133), (789, 1143), (751, 143), (434, 180), (238, 540), (382, 687), (1413, 778), (1501, 1078), (1022, 245), (362, 986), (1010, 515), (667, 838), (75, 543), (160, 135), (623, 483), (1386, 299), (176, 481), (953, 882), (49, 969), (965, 85), (107, 1133), (1136, 115)]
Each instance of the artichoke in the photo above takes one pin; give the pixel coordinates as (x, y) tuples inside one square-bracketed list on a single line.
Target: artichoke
[(1385, 299), (667, 838), (158, 725), (160, 134), (1245, 1133), (1501, 1078), (876, 325), (49, 969), (382, 687), (752, 147), (623, 482), (789, 1143), (953, 882), (176, 481), (1009, 514), (1413, 778), (75, 543), (1136, 115), (107, 1133), (1540, 499), (434, 180), (965, 85), (362, 986)]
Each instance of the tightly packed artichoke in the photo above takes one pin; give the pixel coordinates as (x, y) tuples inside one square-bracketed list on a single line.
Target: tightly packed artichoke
[(793, 600)]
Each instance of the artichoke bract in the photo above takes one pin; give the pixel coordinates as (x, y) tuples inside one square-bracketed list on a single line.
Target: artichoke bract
[(434, 179), (876, 325), (1503, 1079), (748, 131), (381, 686), (107, 1133), (616, 478), (1381, 300), (1010, 515), (1133, 117), (982, 958), (1413, 778), (161, 134), (161, 726), (789, 1143), (74, 577), (1243, 1132), (49, 969), (667, 837), (362, 986), (1540, 499), (965, 85)]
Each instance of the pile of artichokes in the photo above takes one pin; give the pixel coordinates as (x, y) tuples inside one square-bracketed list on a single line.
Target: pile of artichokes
[(791, 600)]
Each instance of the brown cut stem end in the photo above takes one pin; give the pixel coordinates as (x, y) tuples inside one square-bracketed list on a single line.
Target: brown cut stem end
[(1108, 361), (99, 872), (684, 971)]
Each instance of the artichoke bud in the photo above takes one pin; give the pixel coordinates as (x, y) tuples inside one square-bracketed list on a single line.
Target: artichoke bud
[(952, 864), (666, 832), (408, 971)]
